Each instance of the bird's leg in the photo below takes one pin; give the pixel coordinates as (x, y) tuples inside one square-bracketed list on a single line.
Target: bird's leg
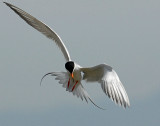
[(74, 85), (68, 82)]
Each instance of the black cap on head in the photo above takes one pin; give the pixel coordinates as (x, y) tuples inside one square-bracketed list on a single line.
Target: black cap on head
[(69, 66)]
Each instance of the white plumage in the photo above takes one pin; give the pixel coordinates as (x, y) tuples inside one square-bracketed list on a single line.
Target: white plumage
[(71, 80)]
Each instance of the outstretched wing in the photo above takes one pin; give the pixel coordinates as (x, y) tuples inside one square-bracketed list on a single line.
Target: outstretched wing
[(67, 83), (110, 82), (41, 27)]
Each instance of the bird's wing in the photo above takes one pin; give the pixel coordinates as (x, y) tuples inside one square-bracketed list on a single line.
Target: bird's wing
[(110, 82), (68, 83), (41, 27)]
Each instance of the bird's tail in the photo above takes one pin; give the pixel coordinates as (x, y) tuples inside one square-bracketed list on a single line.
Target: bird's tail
[(70, 86), (61, 76)]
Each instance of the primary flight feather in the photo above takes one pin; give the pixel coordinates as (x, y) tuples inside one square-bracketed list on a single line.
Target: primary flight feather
[(71, 80)]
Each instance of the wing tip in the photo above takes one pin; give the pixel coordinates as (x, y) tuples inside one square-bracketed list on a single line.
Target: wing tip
[(8, 4)]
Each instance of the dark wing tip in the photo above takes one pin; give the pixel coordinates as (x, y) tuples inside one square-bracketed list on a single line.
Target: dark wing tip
[(8, 4)]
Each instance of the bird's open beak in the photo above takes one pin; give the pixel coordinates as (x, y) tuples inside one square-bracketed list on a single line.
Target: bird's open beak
[(72, 75)]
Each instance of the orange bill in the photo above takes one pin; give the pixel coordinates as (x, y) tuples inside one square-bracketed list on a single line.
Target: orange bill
[(72, 75)]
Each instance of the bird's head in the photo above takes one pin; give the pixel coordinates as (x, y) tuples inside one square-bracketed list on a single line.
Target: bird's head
[(70, 67)]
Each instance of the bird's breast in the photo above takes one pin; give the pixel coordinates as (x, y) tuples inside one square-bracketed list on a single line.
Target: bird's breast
[(77, 75)]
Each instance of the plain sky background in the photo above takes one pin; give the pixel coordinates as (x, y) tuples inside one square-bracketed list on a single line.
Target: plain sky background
[(122, 33)]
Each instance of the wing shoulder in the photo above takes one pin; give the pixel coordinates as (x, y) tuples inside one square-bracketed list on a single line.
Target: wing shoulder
[(95, 73)]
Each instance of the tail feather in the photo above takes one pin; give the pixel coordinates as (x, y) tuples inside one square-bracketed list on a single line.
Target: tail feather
[(79, 91)]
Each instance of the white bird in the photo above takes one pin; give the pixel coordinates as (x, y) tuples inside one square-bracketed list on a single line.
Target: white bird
[(71, 80)]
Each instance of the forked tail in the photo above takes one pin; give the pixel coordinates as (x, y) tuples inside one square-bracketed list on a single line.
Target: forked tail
[(68, 83)]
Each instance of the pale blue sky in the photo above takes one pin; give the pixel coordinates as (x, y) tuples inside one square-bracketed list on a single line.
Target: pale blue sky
[(122, 33)]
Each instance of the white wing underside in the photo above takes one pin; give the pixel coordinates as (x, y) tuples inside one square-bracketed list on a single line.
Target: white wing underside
[(41, 27), (79, 91), (103, 73), (110, 82)]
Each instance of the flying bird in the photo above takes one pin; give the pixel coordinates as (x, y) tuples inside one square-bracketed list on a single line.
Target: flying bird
[(72, 78)]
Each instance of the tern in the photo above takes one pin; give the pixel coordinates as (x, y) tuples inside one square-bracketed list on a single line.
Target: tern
[(71, 79)]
